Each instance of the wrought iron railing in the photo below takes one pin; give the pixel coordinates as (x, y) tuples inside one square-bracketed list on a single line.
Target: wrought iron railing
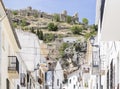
[(13, 64)]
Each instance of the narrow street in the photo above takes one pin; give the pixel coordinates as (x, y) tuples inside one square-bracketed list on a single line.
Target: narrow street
[(59, 44)]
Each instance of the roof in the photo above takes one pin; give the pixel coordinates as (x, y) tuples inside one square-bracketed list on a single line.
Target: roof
[(13, 30), (52, 65), (73, 73)]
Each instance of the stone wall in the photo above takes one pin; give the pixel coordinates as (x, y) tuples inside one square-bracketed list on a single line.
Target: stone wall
[(36, 13)]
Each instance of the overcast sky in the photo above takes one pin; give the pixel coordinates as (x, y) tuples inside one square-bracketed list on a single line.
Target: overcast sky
[(85, 8)]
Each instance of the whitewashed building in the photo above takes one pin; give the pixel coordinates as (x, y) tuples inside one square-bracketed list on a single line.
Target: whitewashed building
[(108, 38), (54, 76), (32, 58), (9, 46)]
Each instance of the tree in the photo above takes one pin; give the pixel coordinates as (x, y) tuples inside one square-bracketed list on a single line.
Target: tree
[(62, 48), (95, 27), (32, 30), (52, 27), (40, 34), (85, 21), (14, 24), (15, 13), (76, 29), (69, 19), (36, 15), (23, 23), (56, 17), (49, 37)]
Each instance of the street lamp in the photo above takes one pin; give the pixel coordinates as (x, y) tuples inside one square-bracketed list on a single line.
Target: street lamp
[(92, 40)]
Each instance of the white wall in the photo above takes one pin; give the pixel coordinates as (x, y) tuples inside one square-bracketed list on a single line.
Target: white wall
[(111, 18), (30, 49), (7, 49), (74, 82), (58, 75)]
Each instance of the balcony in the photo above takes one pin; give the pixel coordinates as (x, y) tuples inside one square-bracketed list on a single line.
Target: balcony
[(13, 67), (23, 79)]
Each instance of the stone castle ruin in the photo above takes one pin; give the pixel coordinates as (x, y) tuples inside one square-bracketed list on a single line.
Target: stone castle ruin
[(36, 13)]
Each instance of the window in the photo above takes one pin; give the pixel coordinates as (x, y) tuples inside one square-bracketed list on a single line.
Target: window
[(70, 80), (95, 57), (18, 87), (74, 87), (27, 78), (79, 85), (7, 84), (111, 74), (30, 83), (57, 82), (60, 86)]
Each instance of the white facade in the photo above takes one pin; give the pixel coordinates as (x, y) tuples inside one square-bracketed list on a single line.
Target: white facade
[(110, 22), (109, 44), (8, 53), (30, 49), (110, 64), (73, 81), (19, 66), (30, 53), (55, 77)]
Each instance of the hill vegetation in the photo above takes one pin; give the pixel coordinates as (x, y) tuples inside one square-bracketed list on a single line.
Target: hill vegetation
[(51, 28)]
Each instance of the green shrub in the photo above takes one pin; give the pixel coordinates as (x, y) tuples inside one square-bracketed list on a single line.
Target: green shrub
[(76, 29), (69, 19), (35, 15), (14, 24), (48, 37), (85, 21), (15, 13), (52, 27), (40, 34), (95, 27), (23, 23), (62, 48), (56, 17)]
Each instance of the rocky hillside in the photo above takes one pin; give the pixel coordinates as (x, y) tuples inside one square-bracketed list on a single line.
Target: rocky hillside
[(64, 35)]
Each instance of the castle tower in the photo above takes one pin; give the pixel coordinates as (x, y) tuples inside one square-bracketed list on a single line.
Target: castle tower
[(76, 15), (64, 12), (76, 18), (29, 8)]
